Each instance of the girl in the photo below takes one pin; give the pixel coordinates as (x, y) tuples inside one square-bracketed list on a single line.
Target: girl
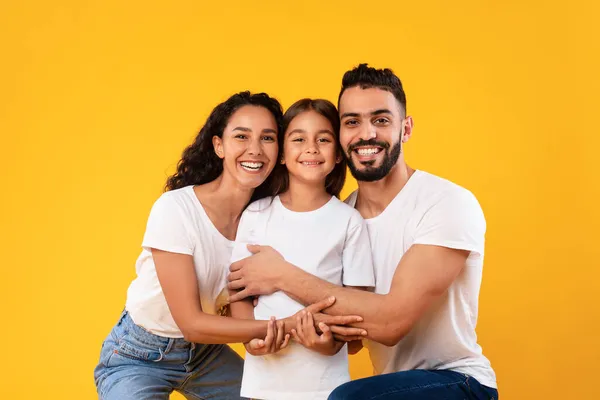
[(311, 227), (169, 336)]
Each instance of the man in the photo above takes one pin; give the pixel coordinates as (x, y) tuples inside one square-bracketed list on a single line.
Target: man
[(427, 238)]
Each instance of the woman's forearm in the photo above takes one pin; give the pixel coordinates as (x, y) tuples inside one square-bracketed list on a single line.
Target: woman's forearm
[(215, 329)]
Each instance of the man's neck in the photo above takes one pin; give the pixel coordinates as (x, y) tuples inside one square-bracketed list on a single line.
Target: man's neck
[(374, 197)]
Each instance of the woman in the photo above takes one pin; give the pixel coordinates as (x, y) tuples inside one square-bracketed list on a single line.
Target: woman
[(169, 336)]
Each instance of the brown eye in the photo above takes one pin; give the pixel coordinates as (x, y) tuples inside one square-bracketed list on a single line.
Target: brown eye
[(381, 121)]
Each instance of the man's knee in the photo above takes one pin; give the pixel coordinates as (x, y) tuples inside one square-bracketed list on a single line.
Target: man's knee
[(349, 390)]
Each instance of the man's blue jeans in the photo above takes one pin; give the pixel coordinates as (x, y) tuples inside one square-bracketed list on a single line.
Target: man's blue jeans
[(138, 365), (415, 385)]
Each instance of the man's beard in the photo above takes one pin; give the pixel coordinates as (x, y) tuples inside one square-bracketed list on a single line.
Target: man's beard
[(372, 174)]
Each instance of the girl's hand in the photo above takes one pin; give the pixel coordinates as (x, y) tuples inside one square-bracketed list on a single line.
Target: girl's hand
[(275, 340), (306, 335)]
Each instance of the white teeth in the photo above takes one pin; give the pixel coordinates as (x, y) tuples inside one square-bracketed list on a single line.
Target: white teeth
[(367, 152), (311, 162), (253, 166)]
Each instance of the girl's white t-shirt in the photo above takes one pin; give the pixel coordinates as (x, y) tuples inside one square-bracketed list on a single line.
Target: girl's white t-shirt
[(332, 243), (179, 224)]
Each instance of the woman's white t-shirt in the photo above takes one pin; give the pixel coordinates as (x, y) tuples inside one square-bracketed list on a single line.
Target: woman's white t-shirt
[(332, 243), (179, 224)]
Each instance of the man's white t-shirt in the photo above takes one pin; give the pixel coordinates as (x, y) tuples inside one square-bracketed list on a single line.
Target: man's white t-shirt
[(331, 243), (179, 224), (433, 211)]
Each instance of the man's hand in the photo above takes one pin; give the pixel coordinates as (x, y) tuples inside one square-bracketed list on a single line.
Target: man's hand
[(258, 274), (272, 343), (335, 323), (307, 336), (338, 324)]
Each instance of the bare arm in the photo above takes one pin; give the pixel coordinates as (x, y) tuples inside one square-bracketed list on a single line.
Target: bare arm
[(424, 273), (243, 309), (178, 280)]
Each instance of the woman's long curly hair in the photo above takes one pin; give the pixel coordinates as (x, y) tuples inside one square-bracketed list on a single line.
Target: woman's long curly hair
[(199, 163)]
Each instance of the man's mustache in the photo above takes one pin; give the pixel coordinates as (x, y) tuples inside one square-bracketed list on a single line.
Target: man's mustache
[(370, 142)]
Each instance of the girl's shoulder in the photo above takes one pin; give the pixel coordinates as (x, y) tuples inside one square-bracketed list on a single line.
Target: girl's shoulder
[(347, 211), (260, 205)]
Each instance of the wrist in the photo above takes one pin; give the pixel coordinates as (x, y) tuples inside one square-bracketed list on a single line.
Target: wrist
[(284, 271), (289, 323)]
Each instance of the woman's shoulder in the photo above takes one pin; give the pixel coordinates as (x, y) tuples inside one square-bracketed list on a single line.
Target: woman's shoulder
[(177, 198)]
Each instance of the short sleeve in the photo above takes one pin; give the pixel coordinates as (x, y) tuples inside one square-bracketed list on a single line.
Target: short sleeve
[(168, 227), (357, 259), (455, 221)]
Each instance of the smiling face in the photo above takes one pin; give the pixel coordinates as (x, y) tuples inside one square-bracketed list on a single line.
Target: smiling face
[(310, 149), (373, 128), (249, 146)]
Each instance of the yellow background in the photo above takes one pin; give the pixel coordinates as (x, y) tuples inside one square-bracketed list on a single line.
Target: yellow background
[(99, 98)]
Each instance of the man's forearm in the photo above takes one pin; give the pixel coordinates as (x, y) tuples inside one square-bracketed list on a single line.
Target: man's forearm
[(307, 289)]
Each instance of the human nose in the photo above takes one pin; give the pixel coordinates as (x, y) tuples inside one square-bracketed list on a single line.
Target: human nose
[(367, 131), (312, 148), (255, 147)]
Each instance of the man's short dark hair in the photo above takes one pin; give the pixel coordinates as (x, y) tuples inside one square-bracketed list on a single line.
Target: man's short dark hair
[(367, 77)]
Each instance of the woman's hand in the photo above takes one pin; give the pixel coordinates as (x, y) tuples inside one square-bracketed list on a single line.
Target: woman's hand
[(275, 340), (355, 346), (307, 336)]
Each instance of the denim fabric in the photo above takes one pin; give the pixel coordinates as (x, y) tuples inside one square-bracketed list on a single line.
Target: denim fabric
[(415, 385), (136, 364)]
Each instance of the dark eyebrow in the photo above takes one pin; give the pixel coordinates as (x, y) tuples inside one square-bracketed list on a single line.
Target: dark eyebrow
[(344, 115), (326, 131), (382, 111), (376, 112), (244, 129), (299, 130)]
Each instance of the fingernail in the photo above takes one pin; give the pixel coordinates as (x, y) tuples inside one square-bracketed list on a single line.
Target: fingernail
[(364, 333), (331, 298)]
